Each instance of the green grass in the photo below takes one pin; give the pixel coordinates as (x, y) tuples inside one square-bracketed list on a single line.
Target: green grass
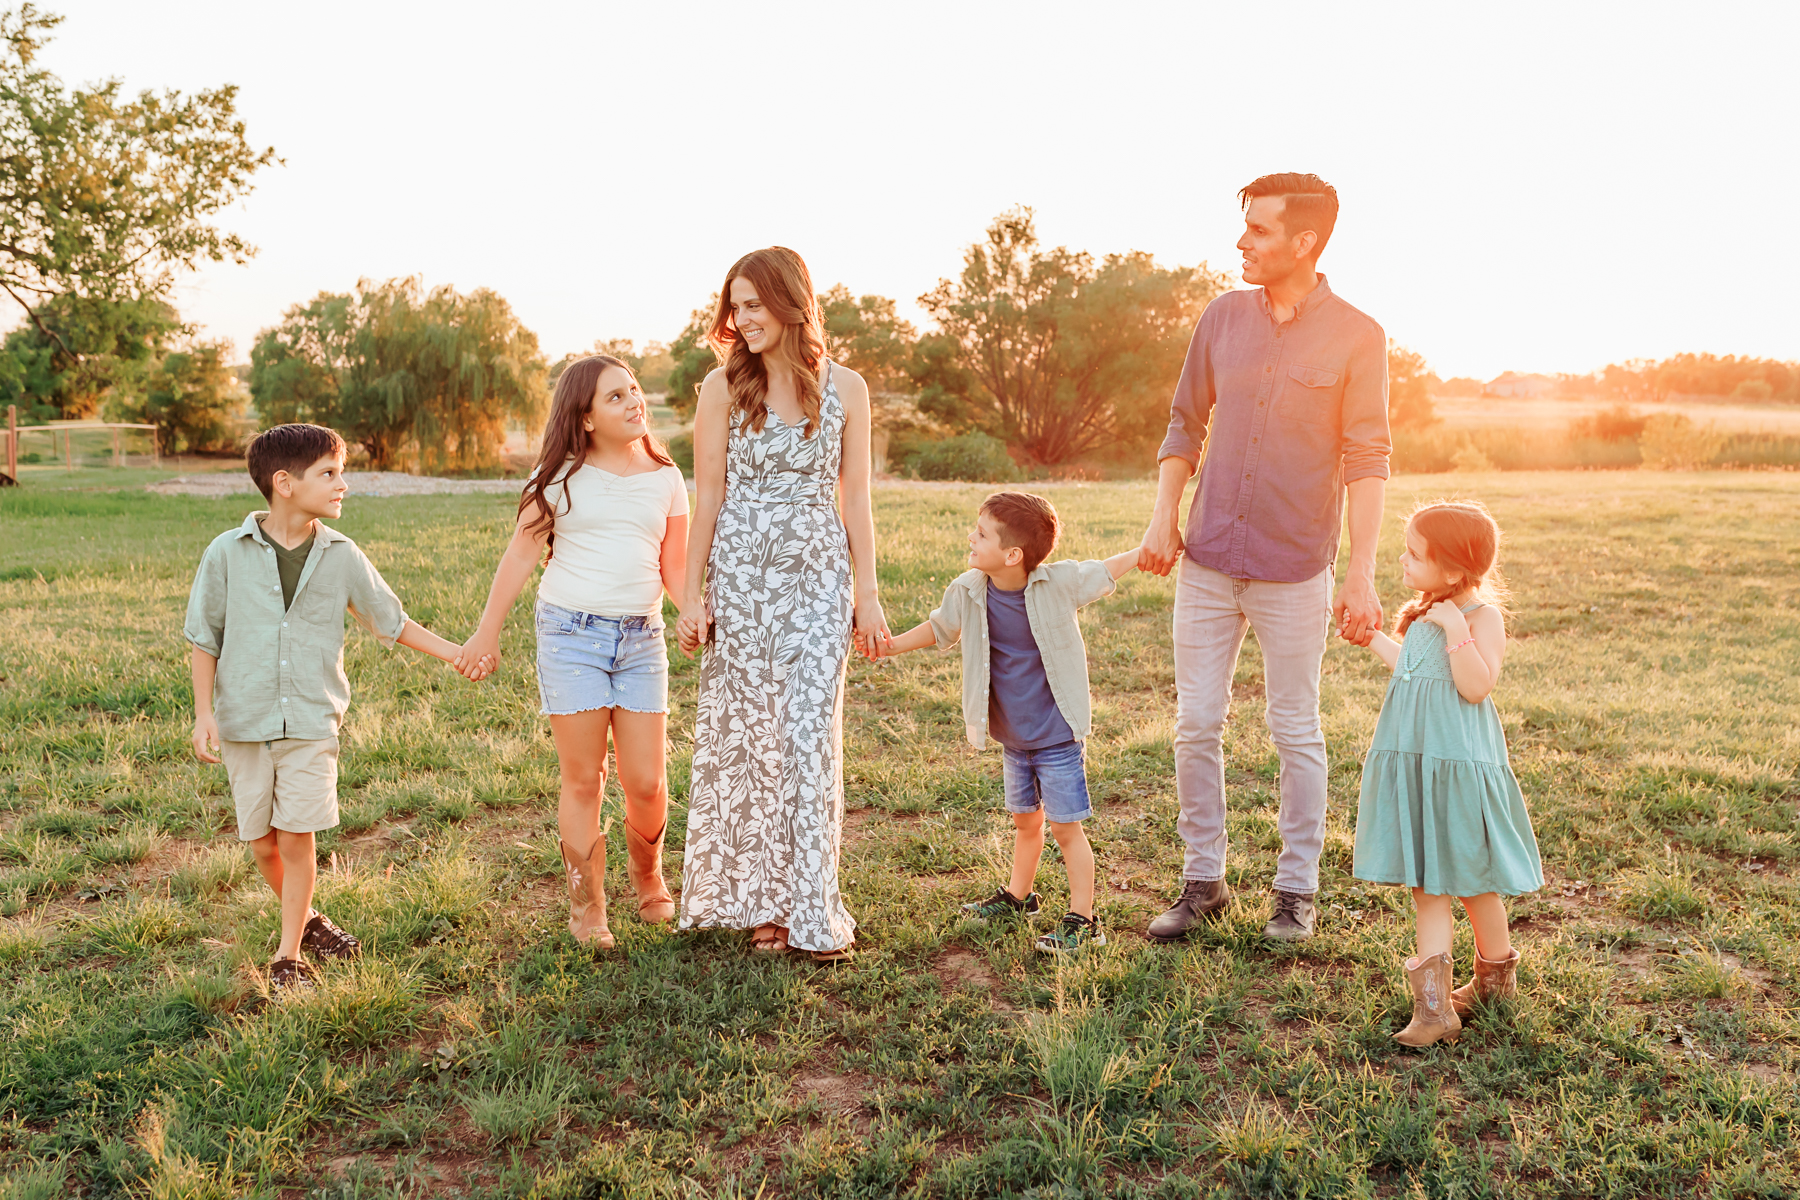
[(1650, 699)]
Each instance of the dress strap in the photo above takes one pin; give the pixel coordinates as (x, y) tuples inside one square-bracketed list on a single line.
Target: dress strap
[(1471, 608), (827, 376)]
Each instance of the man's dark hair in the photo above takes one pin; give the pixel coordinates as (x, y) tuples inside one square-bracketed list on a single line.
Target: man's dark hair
[(1026, 521), (1308, 203), (290, 448)]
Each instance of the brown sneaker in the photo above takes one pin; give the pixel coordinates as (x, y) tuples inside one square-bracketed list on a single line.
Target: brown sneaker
[(291, 974), (1293, 919), (326, 940), (1201, 900)]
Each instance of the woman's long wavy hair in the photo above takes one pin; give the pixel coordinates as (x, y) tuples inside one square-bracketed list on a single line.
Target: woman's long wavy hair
[(784, 286), (1462, 538), (565, 443)]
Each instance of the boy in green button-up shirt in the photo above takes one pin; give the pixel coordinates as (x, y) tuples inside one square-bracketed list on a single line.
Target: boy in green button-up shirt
[(266, 619)]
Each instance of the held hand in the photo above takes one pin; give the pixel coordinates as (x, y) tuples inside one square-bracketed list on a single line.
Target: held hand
[(692, 629), (479, 657), (1357, 610), (206, 734), (1162, 546), (872, 636)]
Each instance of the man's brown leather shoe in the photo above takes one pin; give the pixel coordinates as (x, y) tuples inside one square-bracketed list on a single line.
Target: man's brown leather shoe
[(1201, 900), (1293, 919)]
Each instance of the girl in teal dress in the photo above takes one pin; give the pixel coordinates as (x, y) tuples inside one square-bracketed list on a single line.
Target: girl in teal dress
[(1441, 812)]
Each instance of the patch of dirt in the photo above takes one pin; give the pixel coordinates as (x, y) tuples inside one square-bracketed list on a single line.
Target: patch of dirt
[(957, 967), (1767, 1073), (835, 1093)]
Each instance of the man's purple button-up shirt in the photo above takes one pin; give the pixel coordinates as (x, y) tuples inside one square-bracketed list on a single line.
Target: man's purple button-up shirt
[(1297, 411)]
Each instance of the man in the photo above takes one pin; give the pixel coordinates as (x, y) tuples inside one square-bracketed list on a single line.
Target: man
[(1294, 383)]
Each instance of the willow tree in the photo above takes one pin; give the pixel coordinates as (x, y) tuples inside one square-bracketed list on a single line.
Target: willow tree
[(1052, 351), (432, 377)]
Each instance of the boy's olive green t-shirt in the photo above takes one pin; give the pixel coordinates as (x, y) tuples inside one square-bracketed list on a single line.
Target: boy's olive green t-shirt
[(289, 564)]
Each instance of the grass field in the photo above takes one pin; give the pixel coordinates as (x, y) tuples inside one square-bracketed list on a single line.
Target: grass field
[(1653, 709)]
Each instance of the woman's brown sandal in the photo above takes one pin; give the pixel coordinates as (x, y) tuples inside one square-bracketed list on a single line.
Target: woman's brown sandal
[(768, 939), (831, 958)]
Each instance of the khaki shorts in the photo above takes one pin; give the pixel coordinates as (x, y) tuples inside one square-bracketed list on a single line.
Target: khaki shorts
[(288, 784)]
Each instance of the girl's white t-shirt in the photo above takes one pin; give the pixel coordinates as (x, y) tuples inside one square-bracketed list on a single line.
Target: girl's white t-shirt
[(607, 557)]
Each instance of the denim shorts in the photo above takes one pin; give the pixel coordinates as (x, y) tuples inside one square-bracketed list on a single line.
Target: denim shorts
[(587, 662), (1054, 779)]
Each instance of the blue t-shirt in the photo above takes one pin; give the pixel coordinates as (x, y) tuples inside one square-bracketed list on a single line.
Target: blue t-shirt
[(1022, 712)]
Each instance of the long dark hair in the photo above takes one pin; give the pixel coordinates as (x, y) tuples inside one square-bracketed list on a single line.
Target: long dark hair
[(565, 443), (784, 286)]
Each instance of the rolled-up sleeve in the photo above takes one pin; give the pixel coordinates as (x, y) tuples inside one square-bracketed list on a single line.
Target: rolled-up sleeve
[(947, 618), (1366, 440), (373, 603), (1086, 581), (205, 624), (1192, 405)]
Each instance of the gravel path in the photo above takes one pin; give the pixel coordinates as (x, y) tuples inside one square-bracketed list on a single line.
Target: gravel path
[(362, 483)]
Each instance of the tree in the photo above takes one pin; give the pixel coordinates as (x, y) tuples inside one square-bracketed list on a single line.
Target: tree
[(1053, 352), (115, 343), (102, 196), (190, 395), (430, 376), (1409, 389), (691, 359), (868, 335)]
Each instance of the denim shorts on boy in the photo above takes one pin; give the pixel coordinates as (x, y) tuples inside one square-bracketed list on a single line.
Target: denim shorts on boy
[(586, 662), (1054, 779), (288, 784)]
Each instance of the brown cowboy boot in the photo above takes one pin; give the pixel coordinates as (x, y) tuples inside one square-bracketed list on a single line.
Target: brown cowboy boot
[(1493, 981), (654, 904), (1433, 1019), (587, 894)]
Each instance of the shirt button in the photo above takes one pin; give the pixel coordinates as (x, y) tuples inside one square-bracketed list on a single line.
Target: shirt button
[(284, 623), (284, 698), (1240, 517), (1260, 403), (1246, 477), (1252, 442), (1266, 370), (284, 661)]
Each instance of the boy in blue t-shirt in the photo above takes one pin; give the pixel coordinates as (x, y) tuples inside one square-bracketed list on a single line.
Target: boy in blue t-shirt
[(1025, 681)]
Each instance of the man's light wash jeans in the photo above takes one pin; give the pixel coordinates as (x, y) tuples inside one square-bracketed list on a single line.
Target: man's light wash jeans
[(1211, 613)]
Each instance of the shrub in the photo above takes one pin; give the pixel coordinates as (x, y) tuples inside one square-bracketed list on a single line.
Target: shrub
[(973, 456), (1672, 442), (1616, 424), (681, 449)]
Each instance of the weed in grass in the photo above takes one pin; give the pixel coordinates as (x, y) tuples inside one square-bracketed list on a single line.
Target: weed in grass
[(37, 1181), (212, 872), (1662, 891), (524, 1109), (1707, 975), (132, 844), (25, 939), (134, 926)]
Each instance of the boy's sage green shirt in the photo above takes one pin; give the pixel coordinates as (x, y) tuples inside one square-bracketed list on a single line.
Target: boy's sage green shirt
[(1053, 593), (281, 673)]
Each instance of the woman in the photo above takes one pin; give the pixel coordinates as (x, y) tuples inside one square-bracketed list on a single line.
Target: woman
[(778, 568), (612, 507)]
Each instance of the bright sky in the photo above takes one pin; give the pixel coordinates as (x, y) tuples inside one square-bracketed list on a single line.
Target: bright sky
[(1541, 187)]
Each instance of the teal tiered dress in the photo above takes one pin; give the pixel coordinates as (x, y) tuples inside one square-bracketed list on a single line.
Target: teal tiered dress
[(1441, 809)]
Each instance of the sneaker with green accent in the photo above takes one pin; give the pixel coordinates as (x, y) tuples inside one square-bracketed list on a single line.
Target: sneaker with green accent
[(1076, 933), (1003, 906)]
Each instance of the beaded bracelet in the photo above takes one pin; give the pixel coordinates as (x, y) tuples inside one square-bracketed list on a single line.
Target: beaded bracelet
[(1459, 645)]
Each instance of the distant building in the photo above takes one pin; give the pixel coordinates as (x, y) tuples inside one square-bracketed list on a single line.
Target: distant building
[(1528, 387)]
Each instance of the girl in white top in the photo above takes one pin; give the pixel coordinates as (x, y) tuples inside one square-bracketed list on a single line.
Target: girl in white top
[(612, 508)]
